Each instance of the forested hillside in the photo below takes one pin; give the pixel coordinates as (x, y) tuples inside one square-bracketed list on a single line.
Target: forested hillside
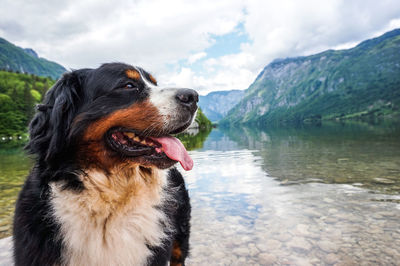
[(361, 82), (19, 93), (14, 58)]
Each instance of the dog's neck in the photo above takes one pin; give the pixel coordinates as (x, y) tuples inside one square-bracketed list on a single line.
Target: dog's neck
[(125, 187), (115, 211)]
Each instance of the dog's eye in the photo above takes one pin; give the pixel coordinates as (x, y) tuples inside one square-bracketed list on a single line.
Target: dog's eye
[(129, 86)]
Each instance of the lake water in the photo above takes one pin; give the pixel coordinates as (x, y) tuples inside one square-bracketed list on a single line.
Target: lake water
[(14, 167), (312, 195)]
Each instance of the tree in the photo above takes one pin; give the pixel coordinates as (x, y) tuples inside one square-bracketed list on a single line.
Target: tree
[(29, 102), (18, 95)]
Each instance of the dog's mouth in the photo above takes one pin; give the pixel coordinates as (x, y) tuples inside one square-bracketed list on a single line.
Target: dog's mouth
[(162, 152)]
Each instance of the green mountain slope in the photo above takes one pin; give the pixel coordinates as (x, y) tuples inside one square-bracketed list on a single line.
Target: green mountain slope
[(364, 80), (15, 58)]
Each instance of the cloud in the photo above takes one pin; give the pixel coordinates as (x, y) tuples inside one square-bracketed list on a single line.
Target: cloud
[(172, 39), (196, 57), (230, 78), (87, 33), (292, 28)]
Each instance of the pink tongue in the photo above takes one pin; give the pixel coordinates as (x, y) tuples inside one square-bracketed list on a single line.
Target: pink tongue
[(175, 150)]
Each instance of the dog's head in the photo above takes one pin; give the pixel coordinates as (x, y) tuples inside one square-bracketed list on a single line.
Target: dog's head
[(109, 115)]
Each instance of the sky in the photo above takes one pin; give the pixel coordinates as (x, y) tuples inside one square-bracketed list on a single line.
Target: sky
[(205, 45)]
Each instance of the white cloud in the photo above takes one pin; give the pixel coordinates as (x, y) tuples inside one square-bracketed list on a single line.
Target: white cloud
[(292, 28), (196, 57), (87, 33), (159, 35), (230, 78)]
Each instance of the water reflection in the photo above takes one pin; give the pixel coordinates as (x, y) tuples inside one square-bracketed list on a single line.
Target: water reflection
[(334, 211), (359, 154), (194, 139), (14, 165)]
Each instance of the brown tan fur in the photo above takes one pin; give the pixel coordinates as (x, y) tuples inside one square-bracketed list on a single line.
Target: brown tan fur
[(94, 153), (176, 255), (152, 79), (143, 117), (132, 74), (112, 220)]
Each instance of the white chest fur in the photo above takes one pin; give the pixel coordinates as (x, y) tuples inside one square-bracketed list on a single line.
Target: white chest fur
[(113, 220)]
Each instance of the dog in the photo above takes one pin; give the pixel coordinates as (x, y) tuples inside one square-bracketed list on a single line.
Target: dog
[(104, 189)]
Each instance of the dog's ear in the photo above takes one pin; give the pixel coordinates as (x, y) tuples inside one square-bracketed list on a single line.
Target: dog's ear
[(50, 126)]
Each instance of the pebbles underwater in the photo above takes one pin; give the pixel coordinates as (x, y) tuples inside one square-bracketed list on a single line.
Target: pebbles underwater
[(249, 210), (262, 223)]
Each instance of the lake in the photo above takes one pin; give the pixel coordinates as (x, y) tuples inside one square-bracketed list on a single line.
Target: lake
[(307, 195)]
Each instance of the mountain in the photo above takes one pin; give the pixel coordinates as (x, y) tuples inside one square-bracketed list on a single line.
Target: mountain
[(216, 105), (27, 60), (362, 81)]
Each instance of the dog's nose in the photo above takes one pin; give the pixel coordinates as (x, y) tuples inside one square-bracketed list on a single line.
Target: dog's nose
[(187, 97)]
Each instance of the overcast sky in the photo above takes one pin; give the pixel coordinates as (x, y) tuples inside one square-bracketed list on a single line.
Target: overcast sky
[(206, 45)]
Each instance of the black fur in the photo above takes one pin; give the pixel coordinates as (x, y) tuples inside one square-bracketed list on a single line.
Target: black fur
[(179, 213), (54, 141)]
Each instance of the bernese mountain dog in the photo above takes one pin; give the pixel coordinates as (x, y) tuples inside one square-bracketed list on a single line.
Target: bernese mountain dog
[(104, 189)]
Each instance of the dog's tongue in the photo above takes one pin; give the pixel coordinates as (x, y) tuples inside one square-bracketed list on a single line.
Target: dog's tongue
[(175, 150)]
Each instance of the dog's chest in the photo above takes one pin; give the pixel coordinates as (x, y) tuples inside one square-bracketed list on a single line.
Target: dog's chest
[(113, 221)]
